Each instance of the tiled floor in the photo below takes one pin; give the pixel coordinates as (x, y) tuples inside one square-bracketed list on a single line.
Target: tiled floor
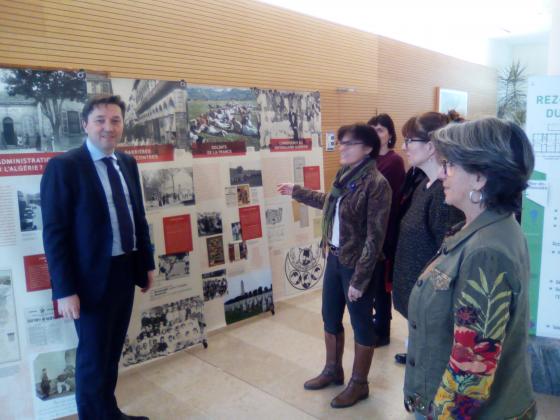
[(255, 370)]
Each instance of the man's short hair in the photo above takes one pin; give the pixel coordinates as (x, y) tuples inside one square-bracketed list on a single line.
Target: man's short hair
[(102, 100)]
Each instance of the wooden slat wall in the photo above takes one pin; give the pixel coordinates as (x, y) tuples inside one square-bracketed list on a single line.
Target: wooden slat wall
[(238, 43), (408, 77)]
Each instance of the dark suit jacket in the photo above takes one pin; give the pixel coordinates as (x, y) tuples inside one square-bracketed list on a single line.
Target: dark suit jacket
[(77, 232)]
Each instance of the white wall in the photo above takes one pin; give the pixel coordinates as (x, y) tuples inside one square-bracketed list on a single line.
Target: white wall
[(531, 51)]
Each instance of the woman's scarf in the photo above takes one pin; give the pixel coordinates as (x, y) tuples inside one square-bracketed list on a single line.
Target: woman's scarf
[(345, 177)]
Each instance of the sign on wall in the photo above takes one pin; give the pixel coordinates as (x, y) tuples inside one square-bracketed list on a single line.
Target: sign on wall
[(541, 205), (226, 245)]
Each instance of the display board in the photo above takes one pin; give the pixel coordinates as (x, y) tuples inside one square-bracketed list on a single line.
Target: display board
[(541, 205), (226, 245)]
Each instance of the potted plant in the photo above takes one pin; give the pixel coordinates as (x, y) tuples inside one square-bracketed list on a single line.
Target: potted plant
[(512, 93)]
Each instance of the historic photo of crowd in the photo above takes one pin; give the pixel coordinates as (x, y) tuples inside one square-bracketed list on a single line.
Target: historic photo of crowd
[(168, 187), (209, 223), (166, 329), (288, 115), (40, 110), (218, 115), (214, 284)]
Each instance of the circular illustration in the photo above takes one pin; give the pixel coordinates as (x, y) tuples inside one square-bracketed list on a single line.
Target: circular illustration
[(304, 266)]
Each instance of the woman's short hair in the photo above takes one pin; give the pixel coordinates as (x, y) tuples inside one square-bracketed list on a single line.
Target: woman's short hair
[(386, 121), (421, 126), (363, 133), (495, 148)]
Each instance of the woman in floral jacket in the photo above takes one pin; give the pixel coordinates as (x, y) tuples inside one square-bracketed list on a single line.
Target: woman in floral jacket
[(468, 312)]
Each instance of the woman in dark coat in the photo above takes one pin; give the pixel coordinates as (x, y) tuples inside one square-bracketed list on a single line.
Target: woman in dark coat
[(355, 216), (424, 217), (391, 166)]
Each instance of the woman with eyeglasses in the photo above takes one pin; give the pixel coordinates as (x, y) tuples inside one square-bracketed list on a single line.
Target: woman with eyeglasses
[(424, 216), (468, 312), (355, 216), (391, 166)]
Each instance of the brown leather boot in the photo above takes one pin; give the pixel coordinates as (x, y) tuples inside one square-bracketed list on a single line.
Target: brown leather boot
[(357, 388), (332, 372)]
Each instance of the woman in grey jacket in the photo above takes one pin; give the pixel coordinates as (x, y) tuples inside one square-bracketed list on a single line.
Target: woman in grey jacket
[(468, 312)]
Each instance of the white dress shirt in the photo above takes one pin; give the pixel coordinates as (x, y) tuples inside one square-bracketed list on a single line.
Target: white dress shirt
[(101, 168)]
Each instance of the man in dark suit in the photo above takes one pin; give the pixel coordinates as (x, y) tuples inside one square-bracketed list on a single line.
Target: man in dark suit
[(98, 248)]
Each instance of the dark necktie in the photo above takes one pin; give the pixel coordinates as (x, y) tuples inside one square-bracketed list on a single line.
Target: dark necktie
[(123, 215)]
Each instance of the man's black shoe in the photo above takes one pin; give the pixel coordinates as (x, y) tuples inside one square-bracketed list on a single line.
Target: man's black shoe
[(400, 358), (127, 417)]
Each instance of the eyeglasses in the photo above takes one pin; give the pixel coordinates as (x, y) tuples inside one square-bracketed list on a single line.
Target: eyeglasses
[(407, 141), (447, 166), (349, 143)]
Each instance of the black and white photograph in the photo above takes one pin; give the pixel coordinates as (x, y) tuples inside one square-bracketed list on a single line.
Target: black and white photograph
[(288, 115), (215, 249), (220, 115), (166, 329), (40, 110), (29, 204), (246, 173), (304, 266), (250, 294), (273, 216), (9, 340), (236, 231), (214, 284), (54, 374), (168, 187), (209, 223), (172, 266), (277, 230), (156, 112)]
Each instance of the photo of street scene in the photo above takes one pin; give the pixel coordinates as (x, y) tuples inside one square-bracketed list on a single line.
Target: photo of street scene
[(168, 187), (29, 204), (156, 112)]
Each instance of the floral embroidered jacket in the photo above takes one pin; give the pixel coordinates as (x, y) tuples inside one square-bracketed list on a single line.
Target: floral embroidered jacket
[(468, 325)]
